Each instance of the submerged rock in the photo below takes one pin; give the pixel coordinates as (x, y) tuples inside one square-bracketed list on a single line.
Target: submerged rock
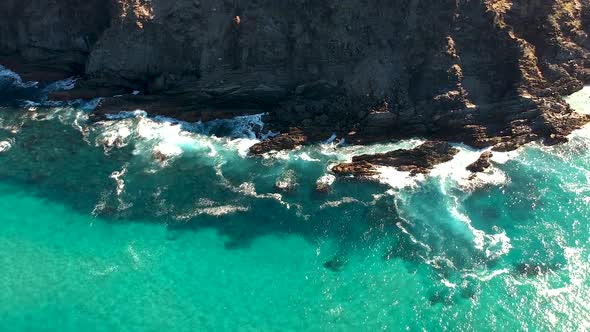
[(419, 160), (336, 264), (287, 182)]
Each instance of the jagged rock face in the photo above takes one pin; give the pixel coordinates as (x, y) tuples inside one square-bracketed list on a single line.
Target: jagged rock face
[(380, 69)]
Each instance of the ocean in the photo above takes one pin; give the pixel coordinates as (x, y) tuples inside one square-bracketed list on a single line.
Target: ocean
[(143, 223)]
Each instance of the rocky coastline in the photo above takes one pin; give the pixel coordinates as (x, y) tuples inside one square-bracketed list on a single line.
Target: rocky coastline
[(486, 73)]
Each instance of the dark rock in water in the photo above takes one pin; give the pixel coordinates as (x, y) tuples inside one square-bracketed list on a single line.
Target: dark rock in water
[(287, 141), (336, 264), (486, 73), (441, 297), (419, 160), (481, 164), (535, 269)]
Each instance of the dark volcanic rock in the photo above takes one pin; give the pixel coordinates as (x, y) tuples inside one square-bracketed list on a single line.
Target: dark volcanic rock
[(419, 160), (482, 163), (287, 141)]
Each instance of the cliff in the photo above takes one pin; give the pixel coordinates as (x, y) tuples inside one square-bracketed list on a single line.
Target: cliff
[(484, 72)]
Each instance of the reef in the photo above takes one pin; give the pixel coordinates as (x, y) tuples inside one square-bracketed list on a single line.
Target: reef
[(488, 73)]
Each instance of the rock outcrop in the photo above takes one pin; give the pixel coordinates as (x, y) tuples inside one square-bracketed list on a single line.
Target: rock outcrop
[(482, 163), (287, 141), (419, 160), (482, 72)]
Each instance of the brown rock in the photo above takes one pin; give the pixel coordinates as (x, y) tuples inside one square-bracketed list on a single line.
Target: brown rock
[(482, 163), (287, 141), (418, 160)]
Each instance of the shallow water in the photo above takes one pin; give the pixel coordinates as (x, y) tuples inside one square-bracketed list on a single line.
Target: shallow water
[(142, 224)]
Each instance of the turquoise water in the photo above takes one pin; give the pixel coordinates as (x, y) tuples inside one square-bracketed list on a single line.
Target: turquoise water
[(98, 231)]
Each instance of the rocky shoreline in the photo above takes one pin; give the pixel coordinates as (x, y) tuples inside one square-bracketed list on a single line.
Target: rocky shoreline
[(486, 73)]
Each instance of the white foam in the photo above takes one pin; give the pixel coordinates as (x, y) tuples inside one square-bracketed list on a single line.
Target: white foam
[(134, 256), (346, 153), (164, 151), (240, 127), (120, 188), (127, 115), (580, 101), (14, 79), (493, 245), (62, 85), (241, 145), (105, 272), (448, 284), (216, 211), (451, 174), (326, 179), (493, 176), (161, 134), (117, 176), (387, 175), (487, 277), (306, 157), (6, 145), (344, 200), (504, 157), (456, 169), (116, 138), (213, 152), (280, 155), (398, 179)]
